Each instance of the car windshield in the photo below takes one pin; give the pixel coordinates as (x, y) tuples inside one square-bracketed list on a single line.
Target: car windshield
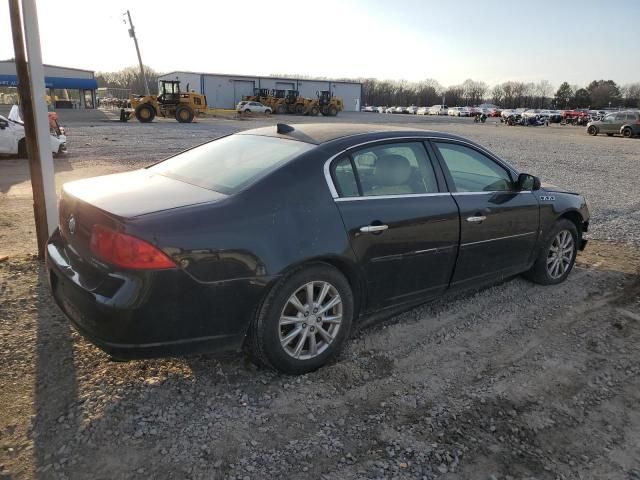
[(229, 164)]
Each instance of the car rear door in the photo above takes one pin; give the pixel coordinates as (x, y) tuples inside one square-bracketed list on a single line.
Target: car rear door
[(402, 224), (499, 226)]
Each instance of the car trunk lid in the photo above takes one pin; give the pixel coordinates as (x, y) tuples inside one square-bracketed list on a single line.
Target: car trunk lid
[(113, 199)]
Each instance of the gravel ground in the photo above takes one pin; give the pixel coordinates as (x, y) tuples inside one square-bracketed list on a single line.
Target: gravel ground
[(514, 381)]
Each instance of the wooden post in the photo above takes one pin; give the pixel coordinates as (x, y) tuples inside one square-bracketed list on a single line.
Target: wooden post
[(42, 182)]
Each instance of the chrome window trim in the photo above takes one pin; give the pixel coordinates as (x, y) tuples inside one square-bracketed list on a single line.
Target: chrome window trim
[(499, 238), (334, 191), (459, 194), (389, 197)]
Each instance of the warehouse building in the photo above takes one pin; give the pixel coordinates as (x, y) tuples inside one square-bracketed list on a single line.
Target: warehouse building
[(225, 91), (67, 87)]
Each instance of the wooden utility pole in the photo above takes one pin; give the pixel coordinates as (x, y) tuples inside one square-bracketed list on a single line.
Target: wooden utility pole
[(132, 34), (34, 114)]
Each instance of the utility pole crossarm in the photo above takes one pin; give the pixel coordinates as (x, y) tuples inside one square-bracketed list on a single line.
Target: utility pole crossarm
[(132, 34)]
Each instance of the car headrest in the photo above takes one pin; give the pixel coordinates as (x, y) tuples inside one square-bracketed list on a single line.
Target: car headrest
[(392, 170)]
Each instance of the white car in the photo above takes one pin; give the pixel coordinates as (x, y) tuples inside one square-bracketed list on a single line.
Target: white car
[(423, 111), (532, 112), (13, 142), (253, 107), (390, 110), (381, 109), (454, 111), (412, 109), (439, 110), (464, 112)]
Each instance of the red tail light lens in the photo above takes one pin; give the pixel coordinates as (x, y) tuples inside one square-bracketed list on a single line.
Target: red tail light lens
[(126, 251)]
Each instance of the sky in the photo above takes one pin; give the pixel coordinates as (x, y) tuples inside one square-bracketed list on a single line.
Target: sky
[(491, 40)]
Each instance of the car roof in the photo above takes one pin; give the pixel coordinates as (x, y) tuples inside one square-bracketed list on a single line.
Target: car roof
[(319, 133)]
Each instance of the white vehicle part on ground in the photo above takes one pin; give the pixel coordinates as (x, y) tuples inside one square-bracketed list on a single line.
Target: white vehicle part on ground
[(13, 132)]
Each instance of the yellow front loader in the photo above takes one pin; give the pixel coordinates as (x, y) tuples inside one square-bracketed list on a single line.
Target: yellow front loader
[(171, 102)]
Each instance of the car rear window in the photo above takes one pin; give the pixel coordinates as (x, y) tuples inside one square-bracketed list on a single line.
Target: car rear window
[(229, 164)]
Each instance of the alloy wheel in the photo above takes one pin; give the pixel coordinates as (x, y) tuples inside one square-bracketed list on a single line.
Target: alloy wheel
[(310, 320), (560, 254)]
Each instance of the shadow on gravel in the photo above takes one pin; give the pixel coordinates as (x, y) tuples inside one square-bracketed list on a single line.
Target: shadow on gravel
[(56, 386), (16, 170)]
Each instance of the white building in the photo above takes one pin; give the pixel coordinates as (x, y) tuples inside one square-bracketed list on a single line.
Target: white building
[(225, 91)]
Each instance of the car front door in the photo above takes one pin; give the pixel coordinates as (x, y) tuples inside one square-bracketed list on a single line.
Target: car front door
[(499, 225), (609, 123), (402, 224)]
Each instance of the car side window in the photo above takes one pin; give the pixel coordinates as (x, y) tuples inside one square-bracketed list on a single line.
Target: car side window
[(473, 171), (345, 178), (395, 169)]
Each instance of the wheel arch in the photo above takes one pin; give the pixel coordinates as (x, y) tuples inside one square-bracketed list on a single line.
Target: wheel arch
[(345, 266), (576, 218)]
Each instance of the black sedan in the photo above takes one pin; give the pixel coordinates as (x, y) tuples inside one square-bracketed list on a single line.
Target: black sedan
[(281, 239)]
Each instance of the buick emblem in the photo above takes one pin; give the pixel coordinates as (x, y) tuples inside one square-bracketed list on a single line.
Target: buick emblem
[(72, 224)]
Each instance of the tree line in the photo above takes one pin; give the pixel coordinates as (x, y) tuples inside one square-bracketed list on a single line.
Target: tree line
[(511, 94), (129, 78)]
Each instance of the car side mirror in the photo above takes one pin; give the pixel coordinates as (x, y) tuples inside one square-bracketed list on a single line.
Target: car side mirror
[(3, 124), (528, 182)]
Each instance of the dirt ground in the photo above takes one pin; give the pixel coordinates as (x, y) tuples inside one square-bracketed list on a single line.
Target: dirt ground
[(514, 381)]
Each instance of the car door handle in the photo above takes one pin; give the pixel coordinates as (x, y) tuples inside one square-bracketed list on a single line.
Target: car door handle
[(373, 228), (478, 219)]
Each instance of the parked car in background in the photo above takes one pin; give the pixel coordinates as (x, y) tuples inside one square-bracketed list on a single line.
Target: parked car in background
[(252, 107), (13, 141), (380, 109), (494, 112), (423, 111), (155, 262), (506, 113), (552, 116), (370, 109), (389, 109), (400, 110), (531, 112), (412, 109), (438, 110), (453, 111), (625, 123)]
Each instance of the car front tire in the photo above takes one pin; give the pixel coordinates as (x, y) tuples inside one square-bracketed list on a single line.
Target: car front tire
[(592, 130), (557, 255), (303, 322)]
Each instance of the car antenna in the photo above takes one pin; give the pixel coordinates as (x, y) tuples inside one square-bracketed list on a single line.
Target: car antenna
[(284, 128)]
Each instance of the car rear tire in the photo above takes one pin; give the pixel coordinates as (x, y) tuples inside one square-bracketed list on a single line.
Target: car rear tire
[(627, 132), (592, 130), (145, 113), (557, 254), (184, 114), (303, 322), (267, 112)]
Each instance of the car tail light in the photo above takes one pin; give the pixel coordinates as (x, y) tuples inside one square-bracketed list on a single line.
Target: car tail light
[(126, 251)]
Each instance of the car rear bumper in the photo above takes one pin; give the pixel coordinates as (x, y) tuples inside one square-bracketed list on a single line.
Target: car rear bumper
[(153, 314)]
